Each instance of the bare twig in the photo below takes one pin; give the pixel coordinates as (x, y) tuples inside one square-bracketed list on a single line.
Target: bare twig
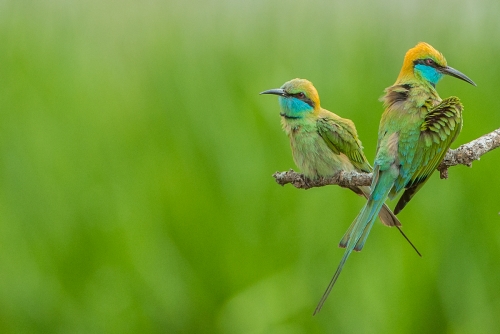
[(463, 155)]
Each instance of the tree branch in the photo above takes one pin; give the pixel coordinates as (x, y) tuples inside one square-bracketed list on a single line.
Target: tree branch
[(467, 153), (463, 155)]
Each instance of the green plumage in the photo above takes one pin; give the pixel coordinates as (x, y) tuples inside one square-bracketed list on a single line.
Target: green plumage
[(415, 132), (424, 137), (323, 144)]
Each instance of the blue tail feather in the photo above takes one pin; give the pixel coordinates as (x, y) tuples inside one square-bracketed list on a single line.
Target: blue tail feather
[(361, 241), (350, 239), (333, 280), (356, 235)]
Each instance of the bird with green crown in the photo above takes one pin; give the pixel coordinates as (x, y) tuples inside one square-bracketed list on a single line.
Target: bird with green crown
[(323, 143), (415, 132)]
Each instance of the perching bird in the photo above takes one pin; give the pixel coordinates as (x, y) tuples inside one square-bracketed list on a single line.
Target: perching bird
[(323, 143), (415, 132)]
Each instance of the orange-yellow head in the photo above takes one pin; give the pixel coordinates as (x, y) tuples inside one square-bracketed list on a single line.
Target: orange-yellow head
[(427, 64)]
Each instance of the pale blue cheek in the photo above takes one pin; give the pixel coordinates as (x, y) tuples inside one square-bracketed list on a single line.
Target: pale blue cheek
[(294, 107), (429, 73)]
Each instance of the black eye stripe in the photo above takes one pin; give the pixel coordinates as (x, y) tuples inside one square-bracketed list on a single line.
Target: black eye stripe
[(427, 62), (302, 97)]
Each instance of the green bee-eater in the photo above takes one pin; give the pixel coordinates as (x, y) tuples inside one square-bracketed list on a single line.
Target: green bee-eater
[(415, 132), (323, 143)]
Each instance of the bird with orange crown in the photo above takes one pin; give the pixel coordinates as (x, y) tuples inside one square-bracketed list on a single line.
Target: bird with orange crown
[(415, 132)]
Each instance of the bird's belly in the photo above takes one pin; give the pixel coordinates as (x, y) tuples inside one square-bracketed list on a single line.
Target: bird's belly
[(315, 159)]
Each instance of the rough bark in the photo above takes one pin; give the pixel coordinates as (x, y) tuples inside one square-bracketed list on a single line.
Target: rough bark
[(463, 155)]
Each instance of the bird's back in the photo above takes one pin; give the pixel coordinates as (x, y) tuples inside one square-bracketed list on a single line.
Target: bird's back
[(311, 153)]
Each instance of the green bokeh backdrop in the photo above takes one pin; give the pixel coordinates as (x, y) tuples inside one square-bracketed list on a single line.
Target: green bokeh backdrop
[(136, 159)]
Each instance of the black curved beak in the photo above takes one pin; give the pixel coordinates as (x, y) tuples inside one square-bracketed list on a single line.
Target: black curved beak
[(457, 74), (277, 91)]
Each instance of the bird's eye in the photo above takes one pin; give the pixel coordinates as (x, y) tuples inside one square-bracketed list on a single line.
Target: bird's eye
[(300, 95), (430, 62)]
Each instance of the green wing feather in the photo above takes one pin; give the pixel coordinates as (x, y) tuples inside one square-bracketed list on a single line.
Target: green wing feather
[(440, 128), (341, 137)]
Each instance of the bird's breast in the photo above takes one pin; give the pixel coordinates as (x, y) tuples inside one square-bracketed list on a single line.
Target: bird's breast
[(312, 155)]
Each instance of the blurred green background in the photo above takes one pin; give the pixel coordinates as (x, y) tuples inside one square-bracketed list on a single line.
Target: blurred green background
[(136, 160)]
